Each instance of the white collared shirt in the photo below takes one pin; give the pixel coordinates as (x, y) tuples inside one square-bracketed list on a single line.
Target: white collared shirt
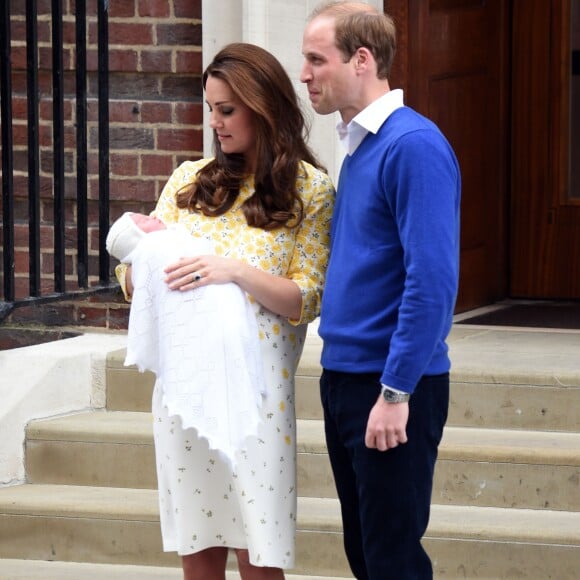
[(369, 120)]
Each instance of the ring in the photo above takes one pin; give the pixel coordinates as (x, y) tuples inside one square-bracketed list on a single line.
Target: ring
[(196, 277)]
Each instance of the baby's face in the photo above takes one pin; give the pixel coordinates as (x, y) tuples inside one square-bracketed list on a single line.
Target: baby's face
[(148, 223)]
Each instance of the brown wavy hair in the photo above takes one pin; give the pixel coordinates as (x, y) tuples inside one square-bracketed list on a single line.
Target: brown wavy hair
[(260, 82)]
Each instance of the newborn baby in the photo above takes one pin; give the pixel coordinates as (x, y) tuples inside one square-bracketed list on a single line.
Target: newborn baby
[(202, 344)]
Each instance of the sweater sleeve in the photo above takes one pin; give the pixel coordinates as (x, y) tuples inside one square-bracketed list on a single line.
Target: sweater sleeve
[(424, 198)]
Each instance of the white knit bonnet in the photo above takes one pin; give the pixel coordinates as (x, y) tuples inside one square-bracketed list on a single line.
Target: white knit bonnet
[(123, 237)]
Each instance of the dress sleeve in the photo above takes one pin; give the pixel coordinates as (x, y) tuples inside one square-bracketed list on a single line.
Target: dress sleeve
[(311, 248), (121, 274)]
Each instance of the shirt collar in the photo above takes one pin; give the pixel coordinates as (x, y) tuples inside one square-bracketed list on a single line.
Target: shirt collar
[(369, 120)]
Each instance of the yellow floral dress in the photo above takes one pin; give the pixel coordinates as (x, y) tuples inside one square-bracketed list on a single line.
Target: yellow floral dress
[(202, 502)]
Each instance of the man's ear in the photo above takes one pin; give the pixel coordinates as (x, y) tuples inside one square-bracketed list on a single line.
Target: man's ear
[(363, 57)]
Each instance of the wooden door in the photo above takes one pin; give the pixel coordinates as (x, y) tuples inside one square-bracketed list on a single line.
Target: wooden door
[(452, 62), (545, 215)]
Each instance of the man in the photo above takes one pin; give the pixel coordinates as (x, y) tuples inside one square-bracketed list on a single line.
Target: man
[(390, 292)]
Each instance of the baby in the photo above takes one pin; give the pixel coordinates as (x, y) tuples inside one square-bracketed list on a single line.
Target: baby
[(202, 344), (128, 231)]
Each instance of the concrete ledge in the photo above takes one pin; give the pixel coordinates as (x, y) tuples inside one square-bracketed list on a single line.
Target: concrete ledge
[(96, 427), (43, 570), (45, 380), (319, 514), (459, 443)]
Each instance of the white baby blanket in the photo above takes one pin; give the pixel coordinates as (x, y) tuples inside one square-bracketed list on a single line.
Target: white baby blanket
[(202, 344)]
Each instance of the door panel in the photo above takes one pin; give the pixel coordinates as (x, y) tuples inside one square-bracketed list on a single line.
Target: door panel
[(454, 72), (545, 247)]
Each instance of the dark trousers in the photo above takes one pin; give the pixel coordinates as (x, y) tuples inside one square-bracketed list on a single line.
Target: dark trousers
[(385, 496)]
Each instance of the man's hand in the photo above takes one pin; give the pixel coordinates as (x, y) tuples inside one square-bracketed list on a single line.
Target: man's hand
[(386, 427)]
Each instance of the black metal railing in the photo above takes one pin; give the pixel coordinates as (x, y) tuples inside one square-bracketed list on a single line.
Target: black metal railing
[(8, 299)]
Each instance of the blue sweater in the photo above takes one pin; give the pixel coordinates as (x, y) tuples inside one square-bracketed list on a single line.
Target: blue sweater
[(393, 273)]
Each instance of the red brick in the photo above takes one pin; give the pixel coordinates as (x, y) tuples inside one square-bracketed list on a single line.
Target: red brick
[(156, 112), (123, 112), (18, 57), (93, 109), (17, 30), (109, 298), (187, 8), (179, 139), (19, 108), (119, 318), (20, 236), (90, 4), (179, 159), (142, 189), (46, 236), (189, 113), (19, 134), (21, 260), (154, 8), (128, 137), (91, 316), (19, 7), (124, 165), (122, 9), (93, 163), (156, 61), (43, 29), (178, 34), (121, 60), (47, 157), (46, 108), (188, 62), (130, 34), (162, 165), (69, 32), (20, 158)]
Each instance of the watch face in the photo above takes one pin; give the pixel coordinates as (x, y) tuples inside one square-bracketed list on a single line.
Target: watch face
[(392, 397)]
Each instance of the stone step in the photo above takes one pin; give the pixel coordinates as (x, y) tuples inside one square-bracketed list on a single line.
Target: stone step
[(490, 396), (120, 526), (479, 467), (46, 570)]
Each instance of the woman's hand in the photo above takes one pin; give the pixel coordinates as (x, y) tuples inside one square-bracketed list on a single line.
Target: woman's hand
[(276, 293), (188, 273)]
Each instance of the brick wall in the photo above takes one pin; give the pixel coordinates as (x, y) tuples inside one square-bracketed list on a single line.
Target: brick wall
[(155, 114)]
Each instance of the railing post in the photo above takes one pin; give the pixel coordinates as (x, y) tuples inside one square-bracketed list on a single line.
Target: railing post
[(8, 296), (58, 146), (7, 152), (103, 60), (81, 118), (33, 148)]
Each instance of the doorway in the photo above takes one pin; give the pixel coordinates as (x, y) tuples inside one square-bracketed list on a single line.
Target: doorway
[(495, 75), (545, 193)]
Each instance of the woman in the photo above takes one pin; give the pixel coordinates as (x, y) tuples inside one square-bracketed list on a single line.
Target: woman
[(266, 205)]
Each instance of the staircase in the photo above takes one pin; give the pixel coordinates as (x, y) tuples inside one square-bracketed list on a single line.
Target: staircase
[(506, 502)]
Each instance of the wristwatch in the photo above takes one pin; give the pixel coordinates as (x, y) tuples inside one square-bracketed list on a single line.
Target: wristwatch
[(395, 397)]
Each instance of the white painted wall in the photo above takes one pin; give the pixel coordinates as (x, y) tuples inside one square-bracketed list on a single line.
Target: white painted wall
[(46, 380), (277, 26)]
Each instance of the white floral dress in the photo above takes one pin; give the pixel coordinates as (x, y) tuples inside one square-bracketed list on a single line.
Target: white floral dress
[(202, 502)]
